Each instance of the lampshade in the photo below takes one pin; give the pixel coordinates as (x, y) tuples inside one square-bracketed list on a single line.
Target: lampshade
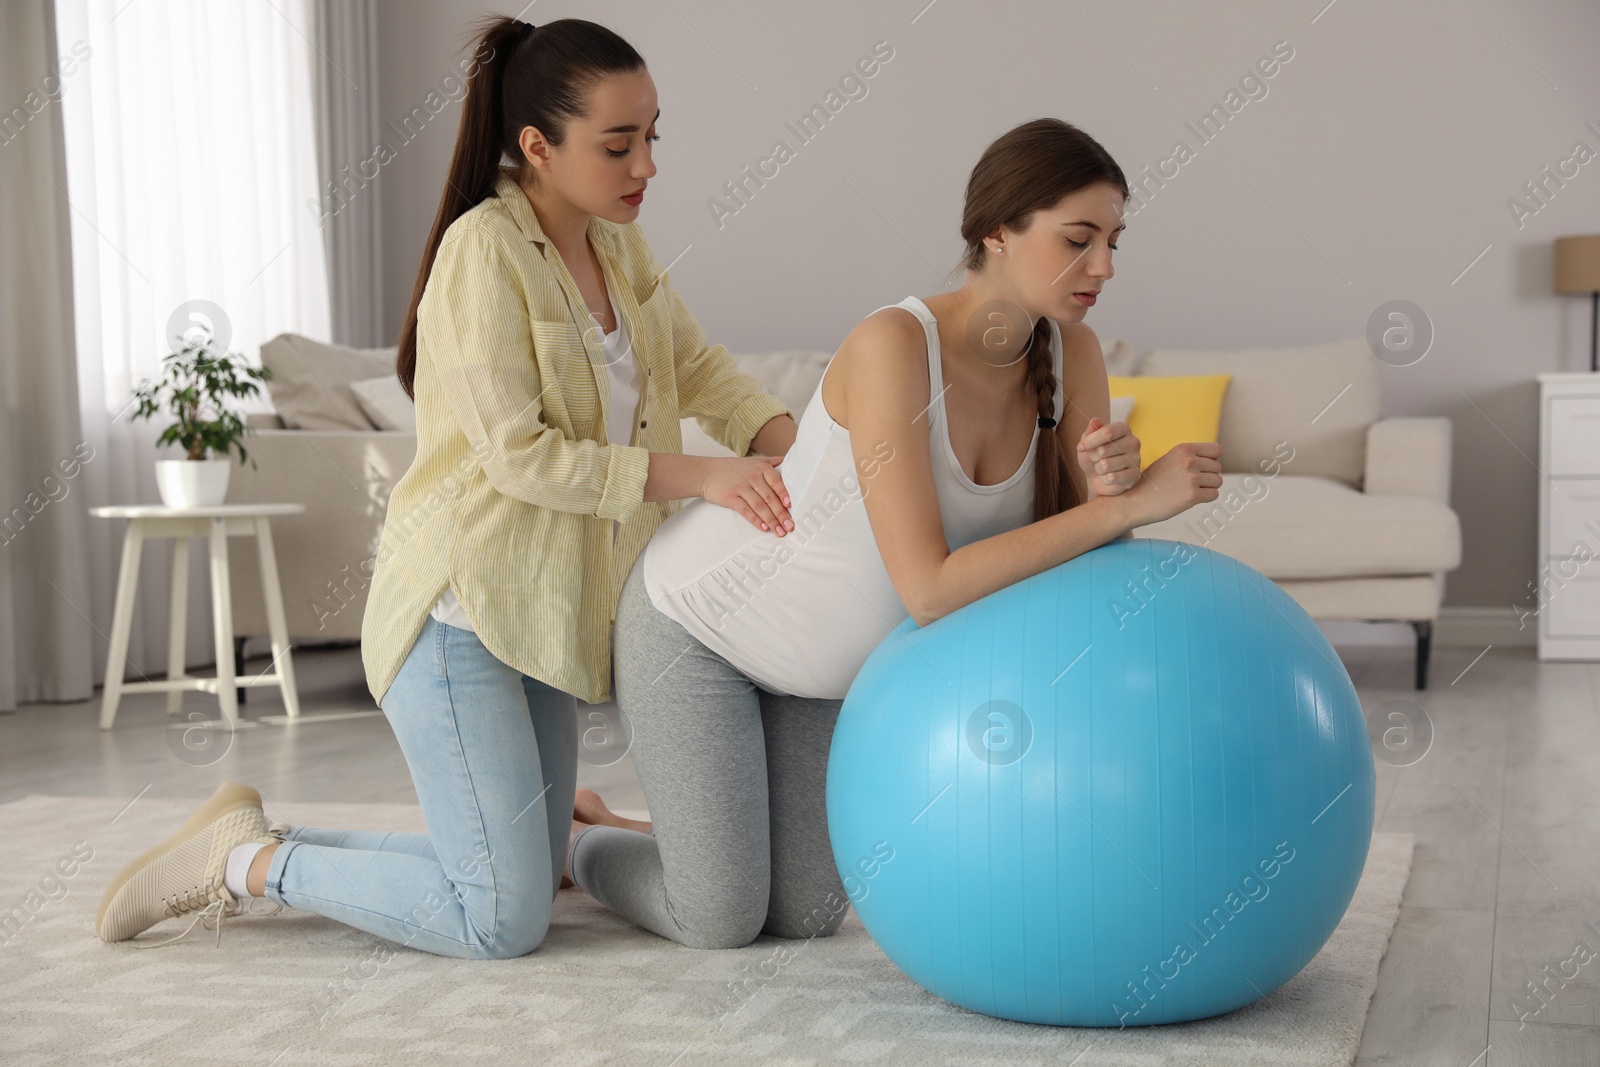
[(1578, 264), (1578, 271)]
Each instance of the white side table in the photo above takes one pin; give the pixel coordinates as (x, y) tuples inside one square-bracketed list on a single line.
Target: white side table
[(216, 525), (1567, 575)]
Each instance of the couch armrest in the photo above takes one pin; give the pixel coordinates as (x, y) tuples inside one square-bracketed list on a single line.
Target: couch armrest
[(326, 555), (1409, 457)]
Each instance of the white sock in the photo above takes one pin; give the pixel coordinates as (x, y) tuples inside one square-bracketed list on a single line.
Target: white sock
[(239, 860)]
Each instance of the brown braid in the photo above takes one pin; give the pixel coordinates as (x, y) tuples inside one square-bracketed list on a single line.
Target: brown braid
[(1053, 491)]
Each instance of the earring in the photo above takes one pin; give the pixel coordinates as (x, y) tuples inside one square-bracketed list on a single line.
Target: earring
[(999, 250)]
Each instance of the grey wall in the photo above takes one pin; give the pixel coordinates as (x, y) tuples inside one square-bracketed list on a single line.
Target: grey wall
[(1380, 163)]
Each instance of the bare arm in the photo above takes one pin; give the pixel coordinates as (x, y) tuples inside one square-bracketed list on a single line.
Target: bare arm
[(1102, 457), (776, 436), (675, 476), (749, 485)]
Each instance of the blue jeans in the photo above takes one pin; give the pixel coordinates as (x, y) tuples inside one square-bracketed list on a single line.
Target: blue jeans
[(493, 757)]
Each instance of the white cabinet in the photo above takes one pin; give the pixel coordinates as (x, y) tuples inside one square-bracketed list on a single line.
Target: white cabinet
[(1568, 578)]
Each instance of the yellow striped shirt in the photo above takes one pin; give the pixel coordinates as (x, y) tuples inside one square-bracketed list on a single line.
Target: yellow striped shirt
[(511, 497)]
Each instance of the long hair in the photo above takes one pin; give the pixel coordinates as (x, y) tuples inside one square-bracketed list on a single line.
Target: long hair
[(521, 76), (1030, 168)]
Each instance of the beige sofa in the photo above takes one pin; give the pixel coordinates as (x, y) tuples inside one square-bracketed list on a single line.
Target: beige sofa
[(1347, 510), (325, 556)]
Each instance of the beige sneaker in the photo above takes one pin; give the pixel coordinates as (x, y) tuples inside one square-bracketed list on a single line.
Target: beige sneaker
[(183, 874)]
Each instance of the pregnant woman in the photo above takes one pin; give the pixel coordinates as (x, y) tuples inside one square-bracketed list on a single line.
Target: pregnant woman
[(550, 363), (929, 471)]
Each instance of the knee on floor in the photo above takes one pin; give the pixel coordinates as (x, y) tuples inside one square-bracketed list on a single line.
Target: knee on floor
[(509, 940), (733, 925), (821, 920), (505, 925)]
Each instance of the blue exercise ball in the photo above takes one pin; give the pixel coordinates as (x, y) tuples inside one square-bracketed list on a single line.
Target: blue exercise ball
[(1134, 789)]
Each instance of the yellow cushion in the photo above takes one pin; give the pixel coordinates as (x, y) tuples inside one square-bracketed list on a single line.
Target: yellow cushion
[(1170, 411)]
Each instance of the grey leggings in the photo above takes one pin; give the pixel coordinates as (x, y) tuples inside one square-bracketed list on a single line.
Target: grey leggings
[(734, 776)]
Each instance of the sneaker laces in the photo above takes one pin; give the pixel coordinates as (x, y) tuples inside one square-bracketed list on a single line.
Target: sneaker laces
[(210, 915), (207, 915)]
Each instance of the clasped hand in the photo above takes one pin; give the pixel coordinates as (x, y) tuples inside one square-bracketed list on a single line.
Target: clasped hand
[(1108, 455)]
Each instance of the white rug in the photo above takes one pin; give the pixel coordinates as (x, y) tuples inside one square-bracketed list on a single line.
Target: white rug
[(298, 989)]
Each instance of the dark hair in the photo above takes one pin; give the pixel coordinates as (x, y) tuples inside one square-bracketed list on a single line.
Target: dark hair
[(1030, 168), (521, 76)]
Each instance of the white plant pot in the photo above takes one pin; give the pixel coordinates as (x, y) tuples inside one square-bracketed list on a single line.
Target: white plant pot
[(192, 483)]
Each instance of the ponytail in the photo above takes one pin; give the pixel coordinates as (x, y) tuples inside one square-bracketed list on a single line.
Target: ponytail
[(521, 76)]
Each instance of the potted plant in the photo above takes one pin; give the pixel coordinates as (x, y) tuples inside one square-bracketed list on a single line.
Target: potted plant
[(197, 387)]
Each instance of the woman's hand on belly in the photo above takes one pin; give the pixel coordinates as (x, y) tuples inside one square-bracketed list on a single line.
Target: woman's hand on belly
[(752, 487)]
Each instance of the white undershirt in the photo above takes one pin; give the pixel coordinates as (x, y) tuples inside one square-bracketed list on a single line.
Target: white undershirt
[(622, 367)]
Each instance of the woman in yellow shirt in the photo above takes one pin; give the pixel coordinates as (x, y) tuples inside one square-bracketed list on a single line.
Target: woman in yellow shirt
[(550, 362)]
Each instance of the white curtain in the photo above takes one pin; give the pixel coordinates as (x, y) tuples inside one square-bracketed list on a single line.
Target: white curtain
[(44, 632), (191, 158), (346, 96)]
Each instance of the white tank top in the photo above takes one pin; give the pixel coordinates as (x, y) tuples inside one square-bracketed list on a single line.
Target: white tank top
[(622, 367), (799, 614)]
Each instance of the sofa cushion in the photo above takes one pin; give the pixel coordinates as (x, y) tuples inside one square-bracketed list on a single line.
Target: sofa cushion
[(310, 384), (1122, 359), (1171, 411), (1320, 399), (384, 401), (792, 377), (1293, 526)]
